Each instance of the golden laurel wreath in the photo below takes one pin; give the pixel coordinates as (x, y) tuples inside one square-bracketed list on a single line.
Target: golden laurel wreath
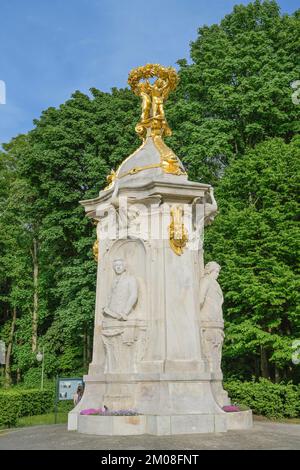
[(152, 70)]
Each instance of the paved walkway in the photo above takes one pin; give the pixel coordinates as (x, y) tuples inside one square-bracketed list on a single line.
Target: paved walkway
[(264, 435)]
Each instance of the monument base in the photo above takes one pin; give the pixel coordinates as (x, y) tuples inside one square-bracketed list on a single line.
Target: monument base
[(167, 403), (160, 425)]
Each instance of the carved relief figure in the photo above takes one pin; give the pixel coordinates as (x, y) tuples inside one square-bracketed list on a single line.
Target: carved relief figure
[(124, 293), (211, 316), (210, 208), (211, 295), (123, 336)]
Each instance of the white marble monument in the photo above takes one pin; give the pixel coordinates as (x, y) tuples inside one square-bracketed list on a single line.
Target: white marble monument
[(159, 328)]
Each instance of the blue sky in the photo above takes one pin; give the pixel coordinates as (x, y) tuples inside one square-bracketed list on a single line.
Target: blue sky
[(49, 48)]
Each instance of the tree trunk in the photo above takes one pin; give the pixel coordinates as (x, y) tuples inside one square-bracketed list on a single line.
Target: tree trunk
[(34, 253), (277, 375), (7, 382), (84, 349), (256, 368), (264, 365), (89, 351)]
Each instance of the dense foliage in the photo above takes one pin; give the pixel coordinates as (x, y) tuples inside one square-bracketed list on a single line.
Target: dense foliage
[(17, 403), (235, 126), (266, 398), (256, 240)]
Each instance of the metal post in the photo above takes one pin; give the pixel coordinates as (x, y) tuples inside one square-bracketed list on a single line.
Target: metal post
[(43, 361), (56, 399)]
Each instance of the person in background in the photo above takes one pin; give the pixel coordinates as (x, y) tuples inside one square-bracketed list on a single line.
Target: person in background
[(78, 395)]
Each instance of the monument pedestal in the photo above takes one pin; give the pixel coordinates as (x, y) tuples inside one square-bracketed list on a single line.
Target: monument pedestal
[(167, 405), (164, 425)]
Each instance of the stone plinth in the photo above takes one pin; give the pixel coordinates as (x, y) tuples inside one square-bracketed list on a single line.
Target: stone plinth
[(163, 425)]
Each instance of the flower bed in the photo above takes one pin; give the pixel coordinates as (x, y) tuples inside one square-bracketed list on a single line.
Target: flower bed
[(106, 412), (231, 409)]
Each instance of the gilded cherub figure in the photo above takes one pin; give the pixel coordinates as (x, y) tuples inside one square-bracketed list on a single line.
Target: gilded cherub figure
[(159, 90), (145, 92)]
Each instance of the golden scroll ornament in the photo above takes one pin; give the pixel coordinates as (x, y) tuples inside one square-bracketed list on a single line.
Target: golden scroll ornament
[(177, 232)]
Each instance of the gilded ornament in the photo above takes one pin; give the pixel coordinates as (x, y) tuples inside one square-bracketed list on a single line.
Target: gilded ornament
[(96, 250), (153, 121), (177, 231), (153, 95), (96, 243), (110, 180)]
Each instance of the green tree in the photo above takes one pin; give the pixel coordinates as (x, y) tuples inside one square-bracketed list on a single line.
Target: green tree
[(256, 240), (72, 149), (232, 113), (16, 279), (237, 91)]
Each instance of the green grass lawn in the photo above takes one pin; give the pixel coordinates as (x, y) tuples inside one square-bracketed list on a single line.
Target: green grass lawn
[(49, 418)]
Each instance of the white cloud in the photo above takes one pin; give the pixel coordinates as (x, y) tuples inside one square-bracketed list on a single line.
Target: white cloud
[(2, 92)]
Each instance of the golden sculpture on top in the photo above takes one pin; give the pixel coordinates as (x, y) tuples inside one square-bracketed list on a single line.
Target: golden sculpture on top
[(153, 122), (153, 95)]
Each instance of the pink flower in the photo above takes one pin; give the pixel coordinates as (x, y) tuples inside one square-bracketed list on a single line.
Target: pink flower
[(104, 411), (230, 408), (90, 411)]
